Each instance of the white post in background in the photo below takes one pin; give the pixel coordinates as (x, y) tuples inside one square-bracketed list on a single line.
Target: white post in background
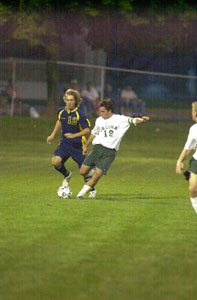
[(13, 90), (102, 83)]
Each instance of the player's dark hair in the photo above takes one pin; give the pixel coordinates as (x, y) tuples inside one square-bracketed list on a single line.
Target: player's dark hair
[(76, 96), (107, 103)]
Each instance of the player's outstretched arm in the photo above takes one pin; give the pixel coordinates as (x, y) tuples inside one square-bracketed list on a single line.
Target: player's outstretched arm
[(55, 130), (142, 119)]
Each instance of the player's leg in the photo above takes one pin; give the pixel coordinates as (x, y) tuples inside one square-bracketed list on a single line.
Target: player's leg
[(92, 192), (193, 190), (67, 174), (60, 157), (85, 170), (87, 176), (102, 158), (95, 178), (57, 162), (193, 182), (89, 186), (79, 158)]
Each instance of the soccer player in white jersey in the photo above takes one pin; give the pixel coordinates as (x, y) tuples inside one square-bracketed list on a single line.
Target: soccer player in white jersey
[(191, 144), (106, 136)]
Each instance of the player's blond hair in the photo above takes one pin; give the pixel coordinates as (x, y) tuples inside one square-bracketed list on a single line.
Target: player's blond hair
[(76, 95), (194, 106)]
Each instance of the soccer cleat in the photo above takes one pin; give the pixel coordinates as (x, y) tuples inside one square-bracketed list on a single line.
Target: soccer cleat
[(79, 197), (92, 193), (66, 180)]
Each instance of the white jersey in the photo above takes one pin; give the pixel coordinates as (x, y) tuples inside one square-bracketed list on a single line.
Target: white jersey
[(109, 132), (191, 142)]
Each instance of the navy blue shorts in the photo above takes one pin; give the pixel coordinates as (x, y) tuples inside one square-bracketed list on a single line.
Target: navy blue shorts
[(65, 151)]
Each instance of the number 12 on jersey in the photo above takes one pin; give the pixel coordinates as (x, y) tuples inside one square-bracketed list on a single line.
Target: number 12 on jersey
[(110, 133)]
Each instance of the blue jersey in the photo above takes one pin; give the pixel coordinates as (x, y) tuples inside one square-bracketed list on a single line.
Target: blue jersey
[(73, 122)]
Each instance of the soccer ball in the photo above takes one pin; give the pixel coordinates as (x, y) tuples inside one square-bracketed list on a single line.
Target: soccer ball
[(64, 192)]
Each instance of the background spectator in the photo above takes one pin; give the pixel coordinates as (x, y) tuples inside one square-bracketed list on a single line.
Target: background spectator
[(4, 104), (13, 98), (74, 85), (90, 99), (130, 102)]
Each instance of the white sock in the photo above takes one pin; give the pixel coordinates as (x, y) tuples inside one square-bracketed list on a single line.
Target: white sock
[(86, 188), (91, 173), (194, 203)]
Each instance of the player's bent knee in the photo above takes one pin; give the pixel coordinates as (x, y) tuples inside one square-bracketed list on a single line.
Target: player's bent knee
[(56, 161), (83, 171)]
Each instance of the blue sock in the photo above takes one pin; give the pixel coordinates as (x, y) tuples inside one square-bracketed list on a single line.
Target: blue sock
[(62, 170)]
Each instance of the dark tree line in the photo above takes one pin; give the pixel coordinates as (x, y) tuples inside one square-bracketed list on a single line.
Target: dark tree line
[(126, 5)]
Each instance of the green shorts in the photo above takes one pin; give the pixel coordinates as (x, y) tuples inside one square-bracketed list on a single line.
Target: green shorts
[(193, 165), (100, 157)]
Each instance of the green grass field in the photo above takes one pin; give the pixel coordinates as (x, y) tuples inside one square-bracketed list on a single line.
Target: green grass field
[(136, 241)]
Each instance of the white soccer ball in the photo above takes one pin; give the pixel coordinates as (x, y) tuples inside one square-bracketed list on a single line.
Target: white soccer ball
[(64, 192)]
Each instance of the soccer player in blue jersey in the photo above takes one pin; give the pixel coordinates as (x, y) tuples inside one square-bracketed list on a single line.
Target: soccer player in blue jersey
[(74, 126)]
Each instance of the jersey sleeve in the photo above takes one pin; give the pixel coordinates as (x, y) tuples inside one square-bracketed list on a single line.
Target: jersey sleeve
[(191, 141), (132, 121), (83, 120), (96, 129), (59, 112), (128, 120)]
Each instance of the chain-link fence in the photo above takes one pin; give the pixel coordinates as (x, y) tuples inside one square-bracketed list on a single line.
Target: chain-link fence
[(164, 95)]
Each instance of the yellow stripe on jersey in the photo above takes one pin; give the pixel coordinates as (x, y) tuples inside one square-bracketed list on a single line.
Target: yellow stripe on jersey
[(60, 113), (83, 140), (77, 114), (69, 111), (78, 118), (88, 122)]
